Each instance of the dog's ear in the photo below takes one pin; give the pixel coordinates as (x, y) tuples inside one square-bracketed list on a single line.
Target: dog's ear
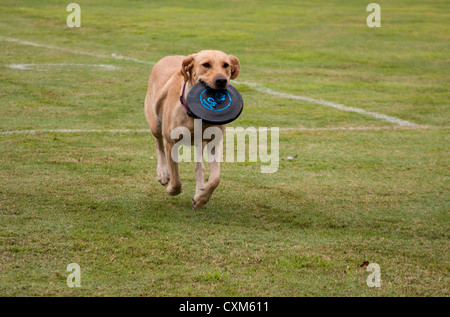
[(235, 66), (186, 66)]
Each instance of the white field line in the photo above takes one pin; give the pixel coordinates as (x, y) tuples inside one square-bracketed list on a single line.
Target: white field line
[(68, 131), (321, 102), (113, 55), (297, 129), (33, 66), (254, 86)]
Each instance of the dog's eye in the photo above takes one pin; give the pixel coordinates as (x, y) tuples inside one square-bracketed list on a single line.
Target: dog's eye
[(206, 65), (226, 65)]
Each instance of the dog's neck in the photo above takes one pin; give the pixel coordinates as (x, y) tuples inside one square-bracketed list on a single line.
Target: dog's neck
[(184, 91), (187, 86)]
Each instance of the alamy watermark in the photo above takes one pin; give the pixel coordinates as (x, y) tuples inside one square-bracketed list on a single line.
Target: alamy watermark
[(74, 19), (235, 145), (74, 278), (374, 279), (374, 19)]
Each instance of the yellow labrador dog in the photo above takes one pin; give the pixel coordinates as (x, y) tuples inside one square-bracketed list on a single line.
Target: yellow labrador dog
[(165, 112)]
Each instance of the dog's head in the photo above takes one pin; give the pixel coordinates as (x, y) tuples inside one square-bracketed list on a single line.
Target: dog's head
[(214, 68)]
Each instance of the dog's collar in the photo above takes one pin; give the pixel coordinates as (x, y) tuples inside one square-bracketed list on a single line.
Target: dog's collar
[(184, 103)]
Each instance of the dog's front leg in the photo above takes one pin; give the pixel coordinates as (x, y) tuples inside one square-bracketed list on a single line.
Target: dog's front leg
[(203, 195), (162, 169), (175, 185), (199, 168)]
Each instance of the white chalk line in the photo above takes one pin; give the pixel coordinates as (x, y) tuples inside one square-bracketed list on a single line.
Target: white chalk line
[(254, 86), (338, 106), (45, 65), (113, 55), (233, 129)]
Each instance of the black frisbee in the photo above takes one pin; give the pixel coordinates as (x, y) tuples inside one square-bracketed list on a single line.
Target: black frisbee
[(214, 106)]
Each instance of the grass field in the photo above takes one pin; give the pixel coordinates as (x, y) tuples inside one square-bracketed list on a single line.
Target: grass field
[(377, 193)]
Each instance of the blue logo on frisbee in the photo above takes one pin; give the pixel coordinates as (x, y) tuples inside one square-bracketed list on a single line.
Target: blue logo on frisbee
[(218, 101)]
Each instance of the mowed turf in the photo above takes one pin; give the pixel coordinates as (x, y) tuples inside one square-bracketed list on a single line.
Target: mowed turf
[(350, 196)]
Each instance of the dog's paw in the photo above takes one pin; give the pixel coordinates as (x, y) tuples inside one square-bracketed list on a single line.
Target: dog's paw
[(163, 176), (173, 190), (163, 181), (197, 204)]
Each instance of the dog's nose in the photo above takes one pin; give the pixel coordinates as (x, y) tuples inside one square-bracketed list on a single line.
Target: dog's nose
[(220, 82)]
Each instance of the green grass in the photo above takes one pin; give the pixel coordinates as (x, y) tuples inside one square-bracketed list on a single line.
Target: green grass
[(350, 196)]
